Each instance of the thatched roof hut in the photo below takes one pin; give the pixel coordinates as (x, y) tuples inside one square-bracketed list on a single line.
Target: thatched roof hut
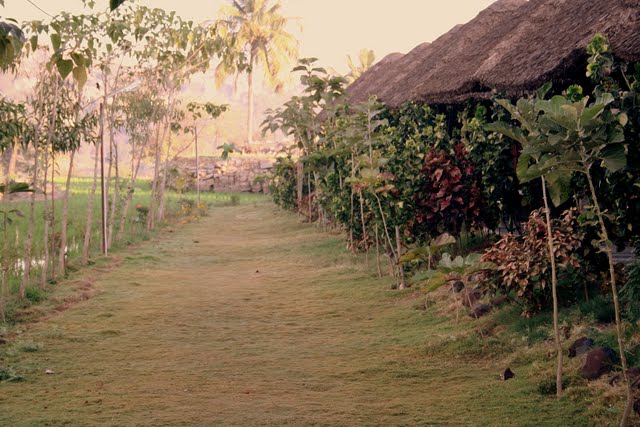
[(513, 46)]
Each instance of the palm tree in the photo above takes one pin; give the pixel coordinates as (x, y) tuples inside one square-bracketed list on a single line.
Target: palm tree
[(366, 57), (257, 30)]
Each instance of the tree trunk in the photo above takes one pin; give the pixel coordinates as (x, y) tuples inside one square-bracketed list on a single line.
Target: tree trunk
[(116, 191), (608, 249), (5, 265), (155, 192), (45, 264), (86, 246), (13, 160), (114, 160), (195, 131), (402, 284), (52, 219), (154, 187), (250, 105), (393, 256), (28, 247), (378, 252), (299, 182), (165, 178), (65, 218), (135, 168), (365, 238), (554, 289), (32, 219)]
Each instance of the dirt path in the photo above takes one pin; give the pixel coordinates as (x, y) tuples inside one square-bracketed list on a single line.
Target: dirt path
[(250, 318)]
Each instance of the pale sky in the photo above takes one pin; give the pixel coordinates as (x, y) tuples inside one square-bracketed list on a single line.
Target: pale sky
[(332, 29)]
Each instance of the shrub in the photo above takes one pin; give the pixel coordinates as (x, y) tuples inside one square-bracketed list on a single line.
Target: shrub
[(630, 293), (599, 308), (35, 295), (283, 183), (450, 196), (523, 265)]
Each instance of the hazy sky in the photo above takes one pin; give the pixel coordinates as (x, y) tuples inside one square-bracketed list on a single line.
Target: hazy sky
[(331, 28)]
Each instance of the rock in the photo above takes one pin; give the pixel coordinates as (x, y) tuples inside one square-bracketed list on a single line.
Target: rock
[(634, 377), (598, 362), (580, 346), (480, 310), (507, 374), (49, 372), (470, 297), (499, 300), (457, 286)]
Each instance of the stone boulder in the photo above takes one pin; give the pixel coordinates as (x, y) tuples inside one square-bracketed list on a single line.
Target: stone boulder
[(580, 346), (634, 378), (498, 301), (480, 310), (598, 362), (457, 286), (470, 297), (507, 374)]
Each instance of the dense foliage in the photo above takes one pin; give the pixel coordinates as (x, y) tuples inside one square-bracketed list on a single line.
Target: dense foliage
[(523, 268)]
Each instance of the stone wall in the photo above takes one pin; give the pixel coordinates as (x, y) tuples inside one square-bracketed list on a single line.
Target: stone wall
[(231, 175)]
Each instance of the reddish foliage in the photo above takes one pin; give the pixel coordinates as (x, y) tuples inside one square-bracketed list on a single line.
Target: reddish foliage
[(450, 196), (524, 268)]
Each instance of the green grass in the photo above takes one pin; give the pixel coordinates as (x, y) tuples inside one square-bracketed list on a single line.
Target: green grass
[(267, 321), (177, 210), (250, 317)]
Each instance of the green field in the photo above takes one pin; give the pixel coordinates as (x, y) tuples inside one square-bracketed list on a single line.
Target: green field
[(180, 208)]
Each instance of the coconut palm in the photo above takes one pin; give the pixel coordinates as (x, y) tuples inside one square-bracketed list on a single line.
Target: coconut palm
[(258, 30), (366, 58)]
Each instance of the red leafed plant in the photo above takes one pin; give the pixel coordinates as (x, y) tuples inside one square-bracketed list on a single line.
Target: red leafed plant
[(451, 194), (523, 268)]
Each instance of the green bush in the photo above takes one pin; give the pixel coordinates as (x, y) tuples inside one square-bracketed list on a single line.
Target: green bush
[(35, 295), (599, 309), (283, 183), (630, 294), (523, 266)]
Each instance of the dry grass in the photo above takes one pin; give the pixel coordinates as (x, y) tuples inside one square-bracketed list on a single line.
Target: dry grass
[(250, 318)]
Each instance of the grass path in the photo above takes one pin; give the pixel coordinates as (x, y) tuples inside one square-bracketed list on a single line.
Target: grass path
[(250, 318)]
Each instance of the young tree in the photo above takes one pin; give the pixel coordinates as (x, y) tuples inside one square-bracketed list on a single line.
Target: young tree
[(579, 136), (200, 113), (531, 165)]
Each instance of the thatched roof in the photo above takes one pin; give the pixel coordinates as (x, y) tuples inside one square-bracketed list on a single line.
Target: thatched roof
[(513, 46), (362, 88)]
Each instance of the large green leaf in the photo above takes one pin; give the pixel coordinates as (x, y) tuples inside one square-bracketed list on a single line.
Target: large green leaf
[(80, 75), (526, 171), (507, 130), (56, 41), (590, 113), (559, 185), (65, 66), (614, 157), (113, 4), (15, 187)]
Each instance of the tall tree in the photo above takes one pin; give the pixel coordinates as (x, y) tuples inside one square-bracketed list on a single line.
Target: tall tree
[(258, 30), (366, 59)]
